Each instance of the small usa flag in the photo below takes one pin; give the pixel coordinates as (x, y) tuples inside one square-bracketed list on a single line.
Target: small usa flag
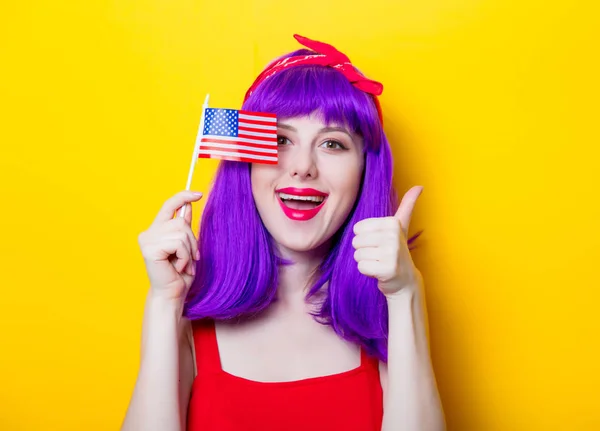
[(239, 135)]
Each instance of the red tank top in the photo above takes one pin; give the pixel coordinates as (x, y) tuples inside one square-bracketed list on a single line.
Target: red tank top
[(220, 401)]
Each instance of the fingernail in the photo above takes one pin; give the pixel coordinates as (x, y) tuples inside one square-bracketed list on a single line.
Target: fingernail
[(197, 193), (197, 254)]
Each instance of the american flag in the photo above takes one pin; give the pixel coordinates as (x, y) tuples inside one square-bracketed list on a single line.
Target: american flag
[(239, 135)]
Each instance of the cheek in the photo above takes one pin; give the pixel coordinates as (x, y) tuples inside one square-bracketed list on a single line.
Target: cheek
[(259, 177), (262, 179), (347, 180)]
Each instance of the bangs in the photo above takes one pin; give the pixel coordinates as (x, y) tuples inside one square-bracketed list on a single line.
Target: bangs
[(303, 90)]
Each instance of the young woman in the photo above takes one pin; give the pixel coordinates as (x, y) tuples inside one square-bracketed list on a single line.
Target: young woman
[(300, 307)]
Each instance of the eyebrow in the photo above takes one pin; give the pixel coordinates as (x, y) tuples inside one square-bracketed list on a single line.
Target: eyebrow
[(323, 130), (286, 126)]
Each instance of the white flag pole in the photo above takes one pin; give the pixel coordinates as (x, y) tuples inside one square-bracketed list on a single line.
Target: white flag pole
[(195, 153)]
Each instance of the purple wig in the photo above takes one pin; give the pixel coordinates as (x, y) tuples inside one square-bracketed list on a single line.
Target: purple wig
[(238, 271)]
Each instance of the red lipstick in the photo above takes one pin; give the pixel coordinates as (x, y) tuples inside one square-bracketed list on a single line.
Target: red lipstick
[(300, 214)]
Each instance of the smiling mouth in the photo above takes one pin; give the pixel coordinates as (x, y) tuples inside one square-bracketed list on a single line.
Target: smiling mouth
[(300, 202)]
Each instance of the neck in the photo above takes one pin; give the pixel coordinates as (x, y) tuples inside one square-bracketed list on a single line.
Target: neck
[(295, 277)]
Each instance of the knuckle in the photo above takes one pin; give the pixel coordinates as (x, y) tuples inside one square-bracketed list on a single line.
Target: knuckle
[(146, 252), (363, 267), (145, 238), (188, 227), (170, 202)]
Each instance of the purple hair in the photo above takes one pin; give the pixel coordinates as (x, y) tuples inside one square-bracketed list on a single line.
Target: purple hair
[(238, 270)]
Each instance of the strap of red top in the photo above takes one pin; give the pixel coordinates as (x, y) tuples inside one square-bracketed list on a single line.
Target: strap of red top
[(205, 346)]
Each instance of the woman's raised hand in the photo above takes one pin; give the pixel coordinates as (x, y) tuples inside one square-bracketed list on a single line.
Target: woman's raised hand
[(170, 249)]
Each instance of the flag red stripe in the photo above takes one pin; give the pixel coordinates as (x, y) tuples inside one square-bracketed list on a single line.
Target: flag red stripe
[(256, 129), (237, 159), (258, 114), (237, 150), (205, 141), (262, 123), (260, 138)]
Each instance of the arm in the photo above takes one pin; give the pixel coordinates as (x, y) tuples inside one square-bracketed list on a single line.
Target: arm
[(161, 394), (411, 399)]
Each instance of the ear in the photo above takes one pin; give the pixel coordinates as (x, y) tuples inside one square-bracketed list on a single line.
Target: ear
[(407, 205)]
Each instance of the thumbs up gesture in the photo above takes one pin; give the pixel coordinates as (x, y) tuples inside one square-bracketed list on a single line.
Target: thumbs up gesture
[(382, 250)]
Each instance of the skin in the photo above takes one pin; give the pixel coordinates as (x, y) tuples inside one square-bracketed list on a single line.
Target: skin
[(328, 158), (291, 345)]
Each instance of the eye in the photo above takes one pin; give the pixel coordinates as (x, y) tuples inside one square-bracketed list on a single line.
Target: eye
[(282, 140), (330, 144)]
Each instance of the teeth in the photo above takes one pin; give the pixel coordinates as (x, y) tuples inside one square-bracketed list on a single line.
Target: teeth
[(285, 196)]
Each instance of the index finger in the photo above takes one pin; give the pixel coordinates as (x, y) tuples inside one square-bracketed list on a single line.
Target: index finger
[(375, 224), (174, 203)]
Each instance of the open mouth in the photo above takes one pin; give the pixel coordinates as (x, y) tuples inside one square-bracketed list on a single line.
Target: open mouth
[(301, 204)]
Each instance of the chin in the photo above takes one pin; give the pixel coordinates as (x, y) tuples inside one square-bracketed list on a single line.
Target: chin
[(300, 244)]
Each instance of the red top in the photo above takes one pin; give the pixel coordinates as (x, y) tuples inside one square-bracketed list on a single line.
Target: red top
[(220, 401)]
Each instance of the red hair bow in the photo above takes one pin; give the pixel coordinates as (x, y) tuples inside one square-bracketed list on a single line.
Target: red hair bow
[(328, 56)]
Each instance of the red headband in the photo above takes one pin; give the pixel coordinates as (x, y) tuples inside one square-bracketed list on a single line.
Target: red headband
[(328, 56)]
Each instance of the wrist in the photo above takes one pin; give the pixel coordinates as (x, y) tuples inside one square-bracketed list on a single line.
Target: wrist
[(409, 300), (164, 305), (406, 293)]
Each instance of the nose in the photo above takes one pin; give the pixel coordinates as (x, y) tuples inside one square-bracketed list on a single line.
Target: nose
[(302, 164)]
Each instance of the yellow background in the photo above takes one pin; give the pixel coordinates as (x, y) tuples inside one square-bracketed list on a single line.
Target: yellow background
[(491, 105)]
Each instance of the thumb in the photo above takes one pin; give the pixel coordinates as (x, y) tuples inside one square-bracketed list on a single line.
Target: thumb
[(407, 206)]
